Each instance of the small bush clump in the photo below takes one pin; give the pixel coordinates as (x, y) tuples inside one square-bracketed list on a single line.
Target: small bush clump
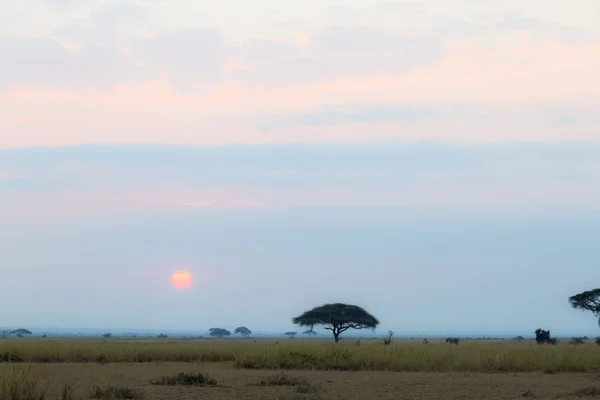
[(186, 378), (116, 392), (280, 379)]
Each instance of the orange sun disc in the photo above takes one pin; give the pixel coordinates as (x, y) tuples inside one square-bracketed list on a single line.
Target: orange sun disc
[(181, 280)]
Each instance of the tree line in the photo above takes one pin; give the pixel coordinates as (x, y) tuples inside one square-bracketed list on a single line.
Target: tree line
[(339, 318)]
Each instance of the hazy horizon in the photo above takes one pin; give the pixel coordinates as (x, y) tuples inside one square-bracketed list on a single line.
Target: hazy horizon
[(435, 162), (422, 236)]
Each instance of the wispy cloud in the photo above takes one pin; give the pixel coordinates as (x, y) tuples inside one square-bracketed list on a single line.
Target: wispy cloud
[(358, 74), (197, 204), (99, 180), (339, 115)]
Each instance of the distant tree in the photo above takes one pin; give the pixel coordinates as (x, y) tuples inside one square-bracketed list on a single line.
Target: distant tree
[(518, 338), (162, 336), (107, 335), (291, 335), (242, 330), (219, 332), (337, 318), (598, 340), (577, 340), (542, 336), (587, 301), (309, 332), (21, 332)]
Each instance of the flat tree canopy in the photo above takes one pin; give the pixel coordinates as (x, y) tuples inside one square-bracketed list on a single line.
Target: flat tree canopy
[(337, 318), (4, 333), (218, 332), (588, 301), (242, 330)]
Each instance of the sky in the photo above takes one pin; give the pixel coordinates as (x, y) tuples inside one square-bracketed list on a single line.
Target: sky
[(437, 162)]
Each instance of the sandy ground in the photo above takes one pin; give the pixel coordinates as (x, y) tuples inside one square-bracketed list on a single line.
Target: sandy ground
[(241, 384)]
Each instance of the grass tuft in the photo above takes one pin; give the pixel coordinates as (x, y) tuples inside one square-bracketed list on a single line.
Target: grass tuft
[(186, 378), (116, 392), (18, 384), (280, 379)]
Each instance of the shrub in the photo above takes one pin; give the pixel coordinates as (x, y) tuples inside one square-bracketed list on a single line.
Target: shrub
[(116, 392), (186, 378)]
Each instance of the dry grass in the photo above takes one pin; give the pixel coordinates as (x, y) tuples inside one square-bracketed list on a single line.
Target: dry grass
[(469, 356), (127, 380), (20, 384)]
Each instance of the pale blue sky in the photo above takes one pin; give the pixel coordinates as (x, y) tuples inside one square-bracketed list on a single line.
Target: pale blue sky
[(508, 235), (414, 157)]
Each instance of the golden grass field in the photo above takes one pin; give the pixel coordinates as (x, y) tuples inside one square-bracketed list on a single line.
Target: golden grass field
[(295, 369)]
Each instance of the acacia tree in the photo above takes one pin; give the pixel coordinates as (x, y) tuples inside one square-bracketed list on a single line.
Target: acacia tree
[(219, 332), (5, 333), (309, 332), (242, 330), (21, 332), (337, 318), (587, 301), (291, 335)]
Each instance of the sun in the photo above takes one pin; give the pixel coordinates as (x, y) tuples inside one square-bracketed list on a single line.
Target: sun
[(181, 280)]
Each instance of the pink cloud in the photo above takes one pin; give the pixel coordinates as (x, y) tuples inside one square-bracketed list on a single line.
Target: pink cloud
[(248, 204), (5, 176), (78, 203), (517, 82), (198, 204), (14, 121)]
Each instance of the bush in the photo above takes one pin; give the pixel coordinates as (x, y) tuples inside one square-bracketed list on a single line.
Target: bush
[(116, 392), (542, 336), (186, 378)]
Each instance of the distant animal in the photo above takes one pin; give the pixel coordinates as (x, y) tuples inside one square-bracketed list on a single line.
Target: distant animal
[(452, 340), (425, 341), (358, 342)]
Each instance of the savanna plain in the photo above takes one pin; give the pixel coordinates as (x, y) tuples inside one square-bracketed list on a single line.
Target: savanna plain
[(295, 369)]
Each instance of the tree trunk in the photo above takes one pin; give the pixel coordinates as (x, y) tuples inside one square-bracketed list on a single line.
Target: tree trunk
[(336, 333)]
